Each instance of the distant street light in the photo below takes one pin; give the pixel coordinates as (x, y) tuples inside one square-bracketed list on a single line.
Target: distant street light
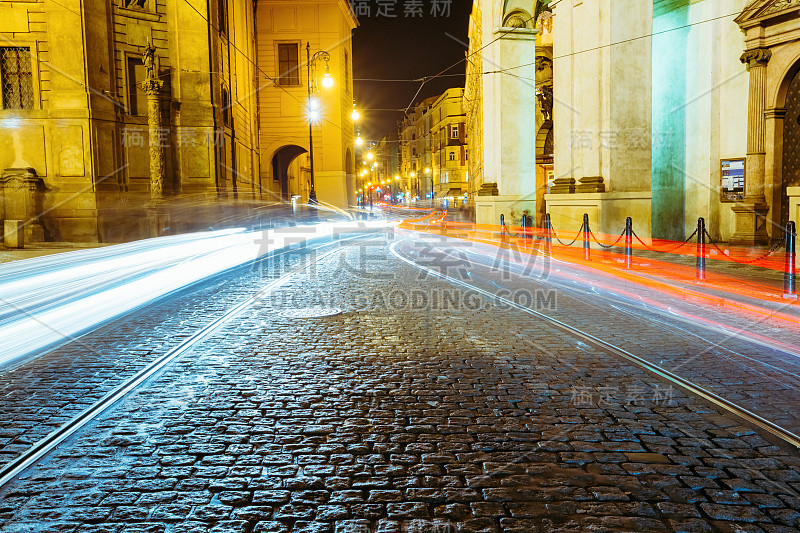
[(428, 172)]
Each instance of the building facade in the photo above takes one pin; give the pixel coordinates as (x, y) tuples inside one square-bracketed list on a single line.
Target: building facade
[(416, 150), (500, 105), (75, 118), (75, 124), (288, 34), (674, 110), (449, 153)]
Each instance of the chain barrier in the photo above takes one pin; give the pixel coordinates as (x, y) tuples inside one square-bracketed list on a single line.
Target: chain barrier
[(607, 246), (578, 236), (772, 250), (671, 250)]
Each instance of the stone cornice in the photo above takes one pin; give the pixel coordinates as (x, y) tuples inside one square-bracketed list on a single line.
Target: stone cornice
[(763, 12)]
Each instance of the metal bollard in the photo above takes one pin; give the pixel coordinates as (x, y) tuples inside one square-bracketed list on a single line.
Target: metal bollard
[(586, 247), (502, 226), (701, 249), (790, 272), (628, 243), (548, 236), (529, 233)]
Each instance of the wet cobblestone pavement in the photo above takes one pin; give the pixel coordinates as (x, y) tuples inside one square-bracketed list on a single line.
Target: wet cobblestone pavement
[(396, 417)]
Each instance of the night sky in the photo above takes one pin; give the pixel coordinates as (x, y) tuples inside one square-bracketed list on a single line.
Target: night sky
[(405, 48)]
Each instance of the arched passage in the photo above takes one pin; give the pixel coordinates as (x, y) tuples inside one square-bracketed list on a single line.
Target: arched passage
[(280, 166)]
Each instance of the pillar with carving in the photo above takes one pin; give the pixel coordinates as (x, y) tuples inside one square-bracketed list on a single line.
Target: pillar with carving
[(752, 212), (153, 89)]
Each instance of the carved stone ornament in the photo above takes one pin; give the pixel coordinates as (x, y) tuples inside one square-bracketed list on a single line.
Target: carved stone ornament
[(543, 62), (516, 20), (756, 57), (780, 5)]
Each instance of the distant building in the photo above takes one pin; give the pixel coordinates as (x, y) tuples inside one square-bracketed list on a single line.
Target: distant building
[(416, 149), (449, 170)]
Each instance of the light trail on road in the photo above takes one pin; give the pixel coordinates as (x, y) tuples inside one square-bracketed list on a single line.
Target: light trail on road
[(51, 300)]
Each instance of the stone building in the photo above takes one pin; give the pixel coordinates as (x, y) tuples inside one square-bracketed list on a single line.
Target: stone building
[(74, 141), (671, 110), (74, 118), (449, 148), (500, 103), (289, 33), (416, 149)]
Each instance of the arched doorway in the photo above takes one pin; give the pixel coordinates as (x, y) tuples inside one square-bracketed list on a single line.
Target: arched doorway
[(791, 144), (280, 167)]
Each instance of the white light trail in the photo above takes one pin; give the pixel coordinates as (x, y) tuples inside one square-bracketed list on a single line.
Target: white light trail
[(47, 301)]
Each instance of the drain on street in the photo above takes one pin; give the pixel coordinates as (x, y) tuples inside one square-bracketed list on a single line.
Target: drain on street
[(309, 313)]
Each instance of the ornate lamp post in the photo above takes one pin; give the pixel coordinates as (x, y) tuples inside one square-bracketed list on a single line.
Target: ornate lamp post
[(313, 112)]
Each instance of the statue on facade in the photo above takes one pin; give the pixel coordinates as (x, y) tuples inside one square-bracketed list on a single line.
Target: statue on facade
[(150, 61)]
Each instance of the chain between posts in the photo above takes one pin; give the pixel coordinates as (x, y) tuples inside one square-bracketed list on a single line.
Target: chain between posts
[(609, 246), (771, 251), (676, 248)]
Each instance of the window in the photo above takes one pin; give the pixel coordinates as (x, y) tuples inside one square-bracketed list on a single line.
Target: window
[(222, 20), (137, 98), (17, 78), (413, 151), (454, 132), (141, 4), (452, 156), (346, 72), (288, 65), (226, 107)]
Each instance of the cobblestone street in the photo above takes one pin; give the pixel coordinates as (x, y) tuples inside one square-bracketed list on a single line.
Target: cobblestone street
[(398, 415)]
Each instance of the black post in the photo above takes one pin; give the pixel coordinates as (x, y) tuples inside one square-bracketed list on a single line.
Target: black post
[(701, 249), (586, 247), (312, 194), (790, 273), (548, 234), (528, 226), (502, 226), (628, 243)]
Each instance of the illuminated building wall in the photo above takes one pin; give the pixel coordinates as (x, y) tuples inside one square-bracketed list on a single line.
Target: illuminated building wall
[(284, 30), (78, 130)]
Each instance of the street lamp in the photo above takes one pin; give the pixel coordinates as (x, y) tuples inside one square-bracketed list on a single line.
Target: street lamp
[(313, 109)]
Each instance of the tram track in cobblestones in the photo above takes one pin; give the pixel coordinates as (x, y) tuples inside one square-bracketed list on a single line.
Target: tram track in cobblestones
[(691, 387), (41, 448)]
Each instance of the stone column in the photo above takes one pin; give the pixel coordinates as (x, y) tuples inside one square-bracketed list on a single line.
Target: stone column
[(751, 213), (153, 89)]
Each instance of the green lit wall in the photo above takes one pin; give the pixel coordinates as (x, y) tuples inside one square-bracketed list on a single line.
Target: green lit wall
[(670, 57)]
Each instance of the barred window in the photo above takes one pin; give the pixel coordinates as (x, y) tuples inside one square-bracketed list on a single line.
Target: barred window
[(17, 78)]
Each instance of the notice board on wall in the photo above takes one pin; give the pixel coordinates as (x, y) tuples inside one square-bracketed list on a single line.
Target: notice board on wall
[(732, 186)]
